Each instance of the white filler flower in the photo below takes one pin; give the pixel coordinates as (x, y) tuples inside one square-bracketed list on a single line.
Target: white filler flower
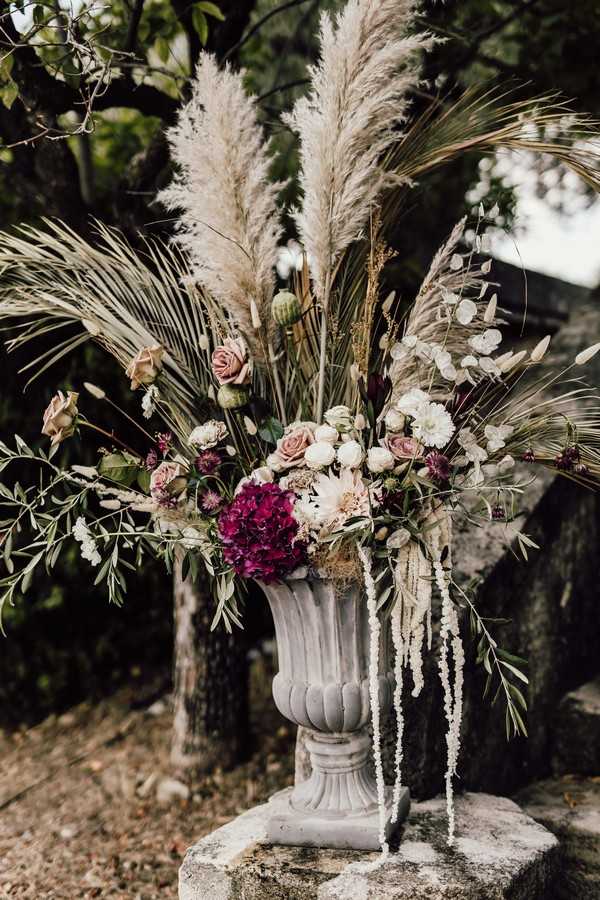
[(433, 425), (82, 533)]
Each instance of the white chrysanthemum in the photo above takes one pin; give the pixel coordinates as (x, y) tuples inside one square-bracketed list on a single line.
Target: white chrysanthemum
[(341, 497), (433, 425)]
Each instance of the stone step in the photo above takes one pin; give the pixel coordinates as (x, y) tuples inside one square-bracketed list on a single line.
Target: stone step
[(577, 737), (499, 853), (570, 808)]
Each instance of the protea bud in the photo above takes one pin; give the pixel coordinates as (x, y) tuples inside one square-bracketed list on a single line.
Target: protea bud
[(286, 309), (232, 396)]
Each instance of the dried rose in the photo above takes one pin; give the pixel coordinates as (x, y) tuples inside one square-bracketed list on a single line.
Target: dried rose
[(144, 368), (60, 417), (403, 447), (289, 453), (167, 482), (230, 363)]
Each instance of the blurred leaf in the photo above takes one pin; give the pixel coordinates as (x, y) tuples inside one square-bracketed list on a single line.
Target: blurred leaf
[(211, 9), (200, 24)]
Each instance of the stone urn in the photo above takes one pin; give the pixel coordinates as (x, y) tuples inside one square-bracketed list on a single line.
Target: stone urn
[(322, 633)]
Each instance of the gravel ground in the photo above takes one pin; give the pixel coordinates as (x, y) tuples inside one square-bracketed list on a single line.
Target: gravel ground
[(79, 811)]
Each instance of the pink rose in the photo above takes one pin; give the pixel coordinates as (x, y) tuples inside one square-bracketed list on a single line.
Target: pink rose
[(144, 367), (60, 416), (403, 447), (230, 363), (290, 448), (167, 482)]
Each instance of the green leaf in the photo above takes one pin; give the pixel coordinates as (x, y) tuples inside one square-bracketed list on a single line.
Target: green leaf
[(9, 93), (200, 24), (211, 9), (120, 468), (271, 430), (515, 671), (161, 45), (143, 480)]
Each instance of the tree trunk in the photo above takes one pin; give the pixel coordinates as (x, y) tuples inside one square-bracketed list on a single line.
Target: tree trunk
[(210, 674)]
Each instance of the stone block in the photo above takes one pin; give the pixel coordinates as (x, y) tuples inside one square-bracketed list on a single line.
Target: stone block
[(577, 736), (499, 854), (570, 808)]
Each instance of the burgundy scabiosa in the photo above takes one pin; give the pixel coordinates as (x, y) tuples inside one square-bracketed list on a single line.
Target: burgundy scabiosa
[(259, 532), (438, 467), (207, 461), (211, 501)]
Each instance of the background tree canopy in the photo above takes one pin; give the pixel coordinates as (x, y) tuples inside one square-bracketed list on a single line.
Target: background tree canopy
[(86, 92)]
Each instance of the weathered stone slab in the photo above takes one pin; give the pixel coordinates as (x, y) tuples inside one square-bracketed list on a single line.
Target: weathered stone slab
[(570, 808), (577, 738), (500, 853)]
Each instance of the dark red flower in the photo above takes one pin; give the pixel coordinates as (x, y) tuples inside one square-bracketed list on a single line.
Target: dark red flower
[(151, 460), (164, 441), (498, 513), (528, 456), (438, 467), (207, 461), (259, 532)]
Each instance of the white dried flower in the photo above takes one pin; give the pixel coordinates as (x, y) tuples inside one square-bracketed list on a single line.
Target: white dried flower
[(208, 435), (149, 401), (486, 267), (203, 342), (350, 455), (512, 362), (394, 420), (433, 425), (82, 533), (584, 357), (468, 441), (489, 366), (466, 312), (360, 422), (487, 342), (251, 427), (412, 401), (326, 433), (539, 351), (456, 262), (379, 459), (339, 417), (497, 436), (319, 455), (94, 390), (468, 362), (490, 312)]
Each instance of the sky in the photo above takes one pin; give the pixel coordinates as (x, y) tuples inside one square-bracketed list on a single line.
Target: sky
[(563, 244)]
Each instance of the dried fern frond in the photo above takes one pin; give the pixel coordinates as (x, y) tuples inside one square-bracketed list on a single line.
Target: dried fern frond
[(122, 299), (349, 120), (229, 222)]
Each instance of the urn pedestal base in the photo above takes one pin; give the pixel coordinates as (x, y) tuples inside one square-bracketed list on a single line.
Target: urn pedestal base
[(291, 828), (337, 806)]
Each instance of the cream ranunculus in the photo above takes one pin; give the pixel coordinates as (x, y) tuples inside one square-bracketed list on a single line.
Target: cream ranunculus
[(326, 433), (144, 368), (379, 459), (319, 455), (230, 362), (394, 420), (60, 417), (339, 417), (208, 435), (350, 455)]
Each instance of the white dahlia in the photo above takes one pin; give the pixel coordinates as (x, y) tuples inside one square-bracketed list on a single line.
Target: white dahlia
[(341, 497)]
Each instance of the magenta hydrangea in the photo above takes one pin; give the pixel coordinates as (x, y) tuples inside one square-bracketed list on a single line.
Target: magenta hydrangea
[(259, 533)]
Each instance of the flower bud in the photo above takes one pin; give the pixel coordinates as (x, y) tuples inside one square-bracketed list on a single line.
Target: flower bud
[(286, 309), (232, 396)]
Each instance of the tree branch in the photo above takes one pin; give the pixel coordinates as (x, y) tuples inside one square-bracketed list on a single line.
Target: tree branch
[(255, 28)]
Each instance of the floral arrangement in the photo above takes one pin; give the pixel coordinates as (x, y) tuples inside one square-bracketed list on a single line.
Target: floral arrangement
[(307, 422)]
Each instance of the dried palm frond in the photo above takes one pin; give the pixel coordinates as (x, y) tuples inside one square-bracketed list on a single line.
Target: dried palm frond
[(124, 300), (229, 222)]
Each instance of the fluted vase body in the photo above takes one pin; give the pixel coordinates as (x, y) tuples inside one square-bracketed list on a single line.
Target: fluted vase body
[(323, 641)]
